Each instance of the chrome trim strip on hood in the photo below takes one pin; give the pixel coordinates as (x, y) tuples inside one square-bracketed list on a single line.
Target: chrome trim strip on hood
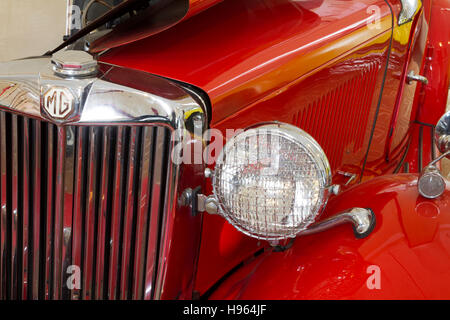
[(101, 100)]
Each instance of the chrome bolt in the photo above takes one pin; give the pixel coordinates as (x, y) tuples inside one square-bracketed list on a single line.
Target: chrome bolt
[(274, 243), (211, 205), (198, 121), (185, 198), (208, 173), (334, 189)]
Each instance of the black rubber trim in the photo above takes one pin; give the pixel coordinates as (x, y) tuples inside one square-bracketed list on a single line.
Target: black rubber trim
[(381, 93), (281, 248), (406, 167), (420, 151), (216, 285), (433, 149), (424, 124), (199, 95), (432, 138), (194, 204), (402, 161), (373, 222)]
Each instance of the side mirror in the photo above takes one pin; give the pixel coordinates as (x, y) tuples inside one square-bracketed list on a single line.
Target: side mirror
[(442, 134), (431, 182)]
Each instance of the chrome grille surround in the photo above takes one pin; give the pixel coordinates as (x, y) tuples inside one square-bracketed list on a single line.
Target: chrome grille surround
[(106, 196)]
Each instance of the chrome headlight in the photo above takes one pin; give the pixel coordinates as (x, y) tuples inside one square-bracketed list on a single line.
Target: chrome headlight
[(271, 181)]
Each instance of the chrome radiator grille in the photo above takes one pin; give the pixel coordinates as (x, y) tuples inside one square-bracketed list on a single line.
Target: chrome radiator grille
[(87, 197)]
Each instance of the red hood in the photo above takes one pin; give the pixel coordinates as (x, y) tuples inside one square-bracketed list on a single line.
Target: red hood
[(241, 51)]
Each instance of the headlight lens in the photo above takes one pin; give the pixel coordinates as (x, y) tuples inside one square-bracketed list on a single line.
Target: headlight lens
[(271, 181)]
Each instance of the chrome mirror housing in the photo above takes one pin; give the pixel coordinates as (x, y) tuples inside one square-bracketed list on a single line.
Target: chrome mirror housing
[(442, 134)]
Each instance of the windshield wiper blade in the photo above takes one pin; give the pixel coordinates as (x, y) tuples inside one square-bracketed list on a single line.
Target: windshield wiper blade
[(113, 14)]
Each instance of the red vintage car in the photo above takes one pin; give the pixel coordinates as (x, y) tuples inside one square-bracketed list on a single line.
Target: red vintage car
[(235, 149)]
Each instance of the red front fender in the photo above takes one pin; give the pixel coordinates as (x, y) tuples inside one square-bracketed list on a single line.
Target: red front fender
[(407, 256)]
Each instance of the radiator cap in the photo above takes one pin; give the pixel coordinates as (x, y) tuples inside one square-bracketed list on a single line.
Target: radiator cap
[(74, 64)]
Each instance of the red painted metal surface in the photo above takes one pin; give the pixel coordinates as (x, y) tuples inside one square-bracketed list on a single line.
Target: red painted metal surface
[(344, 108), (391, 131), (422, 149), (314, 64), (197, 6), (413, 39), (410, 245), (432, 100), (297, 58), (284, 40), (304, 104)]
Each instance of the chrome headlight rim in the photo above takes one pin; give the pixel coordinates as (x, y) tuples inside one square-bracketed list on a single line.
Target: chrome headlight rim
[(301, 139), (442, 133)]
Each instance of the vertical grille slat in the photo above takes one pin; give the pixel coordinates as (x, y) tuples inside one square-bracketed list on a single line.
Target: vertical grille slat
[(49, 137), (3, 213), (142, 213), (91, 201), (69, 134), (14, 208), (128, 218), (102, 213), (25, 223), (36, 208), (116, 214), (59, 214), (89, 197), (156, 205), (78, 209)]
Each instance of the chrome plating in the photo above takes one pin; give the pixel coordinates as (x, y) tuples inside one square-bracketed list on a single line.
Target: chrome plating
[(409, 8), (431, 183), (294, 134), (74, 63), (415, 77), (363, 221), (104, 102), (442, 133)]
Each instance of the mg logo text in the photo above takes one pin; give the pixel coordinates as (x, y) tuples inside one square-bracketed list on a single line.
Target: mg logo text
[(58, 103)]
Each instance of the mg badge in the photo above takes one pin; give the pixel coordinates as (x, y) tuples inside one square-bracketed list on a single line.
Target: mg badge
[(58, 103)]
